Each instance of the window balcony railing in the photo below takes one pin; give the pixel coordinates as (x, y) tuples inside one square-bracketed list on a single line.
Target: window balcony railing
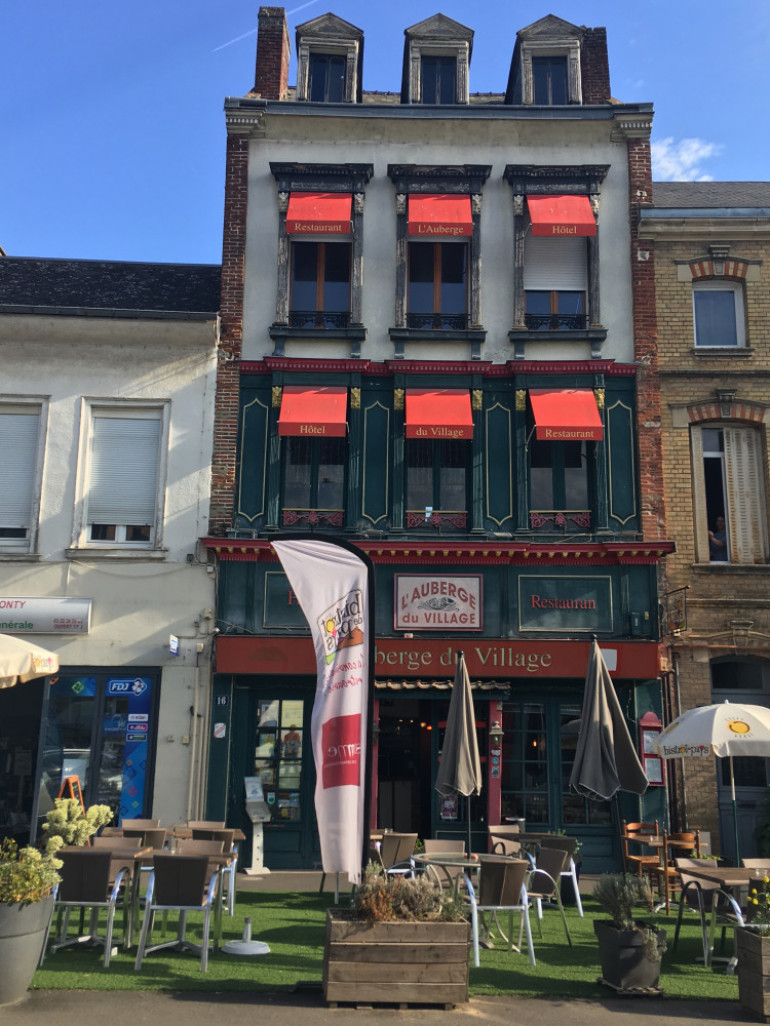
[(438, 519), (319, 318), (437, 321), (556, 322), (313, 517), (563, 519)]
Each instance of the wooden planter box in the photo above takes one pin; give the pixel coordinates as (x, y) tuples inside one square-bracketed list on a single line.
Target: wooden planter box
[(754, 973), (397, 962)]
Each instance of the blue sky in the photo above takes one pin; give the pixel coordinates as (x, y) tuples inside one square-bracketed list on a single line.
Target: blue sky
[(113, 138)]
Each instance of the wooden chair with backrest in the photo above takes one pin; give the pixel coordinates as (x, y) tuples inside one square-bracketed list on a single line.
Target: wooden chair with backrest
[(89, 881), (227, 837), (635, 858), (544, 883), (666, 875), (182, 883), (501, 888)]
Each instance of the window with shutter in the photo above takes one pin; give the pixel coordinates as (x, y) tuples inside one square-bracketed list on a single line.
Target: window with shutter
[(122, 489), (555, 283), (728, 485), (19, 432)]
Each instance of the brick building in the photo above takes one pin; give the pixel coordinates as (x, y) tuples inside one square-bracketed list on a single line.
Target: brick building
[(440, 335), (711, 242)]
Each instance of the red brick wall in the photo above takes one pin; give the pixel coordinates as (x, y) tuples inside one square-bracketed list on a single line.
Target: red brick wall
[(271, 80), (595, 67), (646, 347), (231, 334)]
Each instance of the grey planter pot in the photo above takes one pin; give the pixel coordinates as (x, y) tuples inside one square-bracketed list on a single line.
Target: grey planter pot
[(23, 930), (625, 967)]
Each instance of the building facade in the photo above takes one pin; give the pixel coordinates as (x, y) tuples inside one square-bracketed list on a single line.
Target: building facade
[(712, 242), (106, 424), (440, 344)]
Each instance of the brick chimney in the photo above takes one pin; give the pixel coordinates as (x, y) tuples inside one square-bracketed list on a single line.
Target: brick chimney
[(595, 66), (271, 81)]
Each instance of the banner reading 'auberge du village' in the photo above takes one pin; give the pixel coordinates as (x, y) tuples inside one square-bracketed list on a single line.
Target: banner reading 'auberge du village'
[(331, 584)]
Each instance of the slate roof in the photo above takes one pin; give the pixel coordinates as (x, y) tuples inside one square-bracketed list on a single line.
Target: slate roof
[(702, 195), (108, 288)]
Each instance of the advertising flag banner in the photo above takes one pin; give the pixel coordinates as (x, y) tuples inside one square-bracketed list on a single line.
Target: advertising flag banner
[(331, 583)]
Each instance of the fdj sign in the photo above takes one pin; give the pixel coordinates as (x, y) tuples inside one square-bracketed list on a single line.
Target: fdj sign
[(134, 686)]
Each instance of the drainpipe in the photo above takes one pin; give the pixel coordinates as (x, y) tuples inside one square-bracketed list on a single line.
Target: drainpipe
[(192, 783)]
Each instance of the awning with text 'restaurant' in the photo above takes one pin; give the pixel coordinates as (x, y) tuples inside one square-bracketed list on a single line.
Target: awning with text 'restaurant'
[(561, 215), (313, 412), (566, 415), (438, 413), (319, 213), (440, 215)]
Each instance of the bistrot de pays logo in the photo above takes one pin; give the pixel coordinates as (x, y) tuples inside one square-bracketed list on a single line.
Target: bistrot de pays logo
[(341, 625)]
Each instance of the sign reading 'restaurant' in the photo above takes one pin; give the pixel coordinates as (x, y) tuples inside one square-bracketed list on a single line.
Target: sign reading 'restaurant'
[(438, 603)]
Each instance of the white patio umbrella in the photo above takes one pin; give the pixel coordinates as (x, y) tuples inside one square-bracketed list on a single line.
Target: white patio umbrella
[(22, 660), (726, 730), (460, 769)]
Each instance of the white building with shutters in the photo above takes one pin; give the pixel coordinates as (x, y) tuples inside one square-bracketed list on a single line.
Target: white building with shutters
[(106, 419)]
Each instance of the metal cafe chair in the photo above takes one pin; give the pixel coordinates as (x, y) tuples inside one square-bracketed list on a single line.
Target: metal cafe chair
[(88, 883), (395, 854), (501, 888), (181, 883), (227, 837), (543, 883)]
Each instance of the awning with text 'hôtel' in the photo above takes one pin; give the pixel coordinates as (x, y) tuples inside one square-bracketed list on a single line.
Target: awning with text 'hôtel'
[(438, 413), (439, 216), (319, 213), (561, 215), (313, 412), (566, 415)]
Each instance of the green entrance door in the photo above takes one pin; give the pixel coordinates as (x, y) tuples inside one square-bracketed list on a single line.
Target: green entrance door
[(539, 740), (271, 740)]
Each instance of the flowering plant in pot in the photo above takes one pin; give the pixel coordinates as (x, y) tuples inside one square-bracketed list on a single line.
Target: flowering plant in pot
[(27, 880), (752, 947), (630, 950), (68, 823)]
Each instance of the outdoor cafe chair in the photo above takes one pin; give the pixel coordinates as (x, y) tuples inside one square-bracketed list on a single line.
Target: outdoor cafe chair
[(89, 882), (570, 845), (710, 901), (449, 875), (543, 884), (205, 824), (139, 824), (181, 883), (226, 836), (501, 888), (190, 846), (395, 853), (634, 836), (758, 863)]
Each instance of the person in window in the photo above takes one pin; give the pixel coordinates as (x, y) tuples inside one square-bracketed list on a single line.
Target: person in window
[(718, 542)]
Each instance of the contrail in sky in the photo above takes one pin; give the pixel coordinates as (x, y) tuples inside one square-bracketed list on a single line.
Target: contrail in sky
[(253, 32)]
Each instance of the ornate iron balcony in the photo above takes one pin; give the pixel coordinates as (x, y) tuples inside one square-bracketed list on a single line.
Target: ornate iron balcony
[(319, 318), (437, 321), (556, 322), (313, 517)]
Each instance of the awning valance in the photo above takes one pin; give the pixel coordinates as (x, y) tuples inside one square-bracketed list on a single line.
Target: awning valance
[(319, 213), (566, 415), (561, 215), (438, 413), (318, 412), (439, 215)]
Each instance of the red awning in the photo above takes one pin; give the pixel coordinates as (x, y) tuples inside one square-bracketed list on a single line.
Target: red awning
[(319, 213), (438, 413), (439, 215), (313, 412), (561, 215), (566, 415)]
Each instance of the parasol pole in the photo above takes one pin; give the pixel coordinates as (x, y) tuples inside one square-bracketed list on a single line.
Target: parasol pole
[(735, 812), (461, 655)]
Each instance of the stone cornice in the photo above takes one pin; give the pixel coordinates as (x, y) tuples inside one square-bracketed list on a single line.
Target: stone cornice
[(628, 126)]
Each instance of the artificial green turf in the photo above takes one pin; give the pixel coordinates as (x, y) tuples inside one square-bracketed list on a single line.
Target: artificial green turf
[(293, 925)]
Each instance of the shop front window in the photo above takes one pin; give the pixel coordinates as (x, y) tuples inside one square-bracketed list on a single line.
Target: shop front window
[(278, 754)]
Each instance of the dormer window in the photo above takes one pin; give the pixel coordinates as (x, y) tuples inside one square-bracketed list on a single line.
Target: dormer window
[(437, 55), (549, 81), (329, 52), (326, 78), (439, 79)]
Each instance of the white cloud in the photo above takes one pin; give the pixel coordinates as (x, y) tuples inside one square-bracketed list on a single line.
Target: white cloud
[(681, 161)]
